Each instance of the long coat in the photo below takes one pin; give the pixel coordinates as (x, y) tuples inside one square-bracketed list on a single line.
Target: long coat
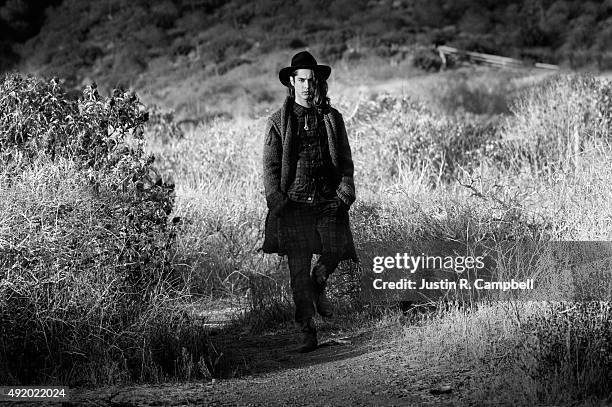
[(280, 156)]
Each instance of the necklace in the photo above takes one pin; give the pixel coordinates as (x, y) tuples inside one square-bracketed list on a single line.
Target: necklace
[(306, 122)]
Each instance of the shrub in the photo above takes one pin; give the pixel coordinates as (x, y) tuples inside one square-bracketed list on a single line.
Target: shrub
[(553, 121), (182, 46), (340, 9), (489, 94), (427, 59), (567, 351), (8, 57), (296, 43), (86, 246), (332, 52), (165, 14), (162, 126), (229, 44), (413, 138)]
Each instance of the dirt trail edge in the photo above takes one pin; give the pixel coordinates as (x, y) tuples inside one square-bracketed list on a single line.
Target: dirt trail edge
[(355, 370)]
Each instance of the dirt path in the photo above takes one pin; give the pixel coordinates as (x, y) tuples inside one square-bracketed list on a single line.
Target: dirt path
[(354, 370)]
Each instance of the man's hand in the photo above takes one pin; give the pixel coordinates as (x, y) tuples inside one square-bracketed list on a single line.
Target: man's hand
[(276, 203), (346, 194)]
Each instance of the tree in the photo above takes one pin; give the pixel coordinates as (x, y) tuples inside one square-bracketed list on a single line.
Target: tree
[(22, 19)]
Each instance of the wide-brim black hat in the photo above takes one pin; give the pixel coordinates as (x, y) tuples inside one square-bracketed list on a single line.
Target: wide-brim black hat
[(303, 60)]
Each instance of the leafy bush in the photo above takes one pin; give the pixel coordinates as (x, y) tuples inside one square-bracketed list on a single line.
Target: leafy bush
[(162, 126), (85, 242), (165, 14), (427, 59)]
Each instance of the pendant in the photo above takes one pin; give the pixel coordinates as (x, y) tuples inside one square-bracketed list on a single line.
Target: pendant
[(306, 122)]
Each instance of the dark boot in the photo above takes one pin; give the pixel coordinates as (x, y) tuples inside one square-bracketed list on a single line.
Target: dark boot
[(319, 274), (324, 306), (319, 278), (309, 337)]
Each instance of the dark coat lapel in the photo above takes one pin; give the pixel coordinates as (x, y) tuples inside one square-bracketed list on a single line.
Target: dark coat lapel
[(290, 152)]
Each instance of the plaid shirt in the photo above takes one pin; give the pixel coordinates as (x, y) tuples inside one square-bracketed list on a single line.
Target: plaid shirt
[(312, 183)]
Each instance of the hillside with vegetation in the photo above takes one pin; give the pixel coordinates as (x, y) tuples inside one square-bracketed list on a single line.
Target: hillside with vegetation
[(184, 54)]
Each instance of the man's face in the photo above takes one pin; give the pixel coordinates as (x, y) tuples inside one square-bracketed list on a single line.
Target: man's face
[(302, 82)]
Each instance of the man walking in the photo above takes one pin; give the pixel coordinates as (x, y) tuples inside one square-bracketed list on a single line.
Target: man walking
[(308, 180)]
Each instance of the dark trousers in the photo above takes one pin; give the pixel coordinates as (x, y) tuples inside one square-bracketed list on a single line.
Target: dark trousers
[(308, 229)]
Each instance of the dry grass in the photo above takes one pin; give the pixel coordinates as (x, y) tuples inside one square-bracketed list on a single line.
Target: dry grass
[(479, 190), (516, 353), (421, 175)]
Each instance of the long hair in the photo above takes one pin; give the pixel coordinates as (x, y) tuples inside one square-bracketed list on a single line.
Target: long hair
[(320, 100)]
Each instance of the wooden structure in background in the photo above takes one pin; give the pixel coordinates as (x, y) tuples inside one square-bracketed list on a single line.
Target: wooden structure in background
[(489, 59)]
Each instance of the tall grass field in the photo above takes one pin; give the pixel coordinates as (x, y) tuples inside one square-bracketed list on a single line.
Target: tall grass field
[(117, 230)]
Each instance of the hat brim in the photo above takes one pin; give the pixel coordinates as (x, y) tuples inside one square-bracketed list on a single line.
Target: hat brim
[(322, 71)]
